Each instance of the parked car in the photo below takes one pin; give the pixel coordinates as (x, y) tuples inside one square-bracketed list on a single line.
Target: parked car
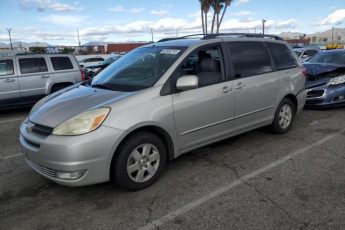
[(307, 52), (90, 61), (92, 70), (326, 79), (160, 101), (27, 78)]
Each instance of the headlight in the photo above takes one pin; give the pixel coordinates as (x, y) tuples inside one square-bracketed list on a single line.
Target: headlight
[(82, 123), (337, 80)]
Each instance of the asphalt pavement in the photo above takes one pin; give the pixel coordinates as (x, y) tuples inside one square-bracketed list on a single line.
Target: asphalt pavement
[(257, 180)]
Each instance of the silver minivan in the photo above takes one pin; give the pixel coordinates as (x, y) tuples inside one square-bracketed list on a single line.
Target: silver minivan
[(160, 101), (24, 79)]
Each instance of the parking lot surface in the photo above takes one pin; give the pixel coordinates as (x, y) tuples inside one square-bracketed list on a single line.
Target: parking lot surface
[(257, 180)]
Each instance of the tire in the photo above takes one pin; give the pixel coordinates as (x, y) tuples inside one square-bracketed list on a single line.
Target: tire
[(58, 87), (140, 161), (284, 117)]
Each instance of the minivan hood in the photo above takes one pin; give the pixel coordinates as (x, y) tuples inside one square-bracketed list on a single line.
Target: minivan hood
[(64, 105)]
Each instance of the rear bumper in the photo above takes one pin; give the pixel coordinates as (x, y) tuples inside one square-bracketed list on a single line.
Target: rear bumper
[(90, 154), (326, 97)]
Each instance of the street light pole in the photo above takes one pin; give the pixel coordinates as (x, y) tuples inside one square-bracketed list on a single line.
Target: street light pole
[(263, 26), (332, 33), (151, 34), (9, 35)]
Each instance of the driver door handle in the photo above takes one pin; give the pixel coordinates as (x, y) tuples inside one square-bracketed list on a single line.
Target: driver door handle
[(44, 76), (226, 89), (9, 80)]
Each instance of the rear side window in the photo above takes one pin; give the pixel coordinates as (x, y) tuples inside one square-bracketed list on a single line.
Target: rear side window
[(6, 67), (33, 65), (282, 56), (61, 63), (249, 58)]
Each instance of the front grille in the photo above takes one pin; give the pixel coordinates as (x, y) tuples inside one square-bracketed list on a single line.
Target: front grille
[(44, 170), (315, 93), (42, 130)]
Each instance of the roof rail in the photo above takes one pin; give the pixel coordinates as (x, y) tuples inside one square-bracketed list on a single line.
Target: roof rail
[(247, 35), (212, 36)]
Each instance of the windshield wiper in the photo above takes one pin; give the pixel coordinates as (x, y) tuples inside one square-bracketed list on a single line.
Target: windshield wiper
[(101, 86)]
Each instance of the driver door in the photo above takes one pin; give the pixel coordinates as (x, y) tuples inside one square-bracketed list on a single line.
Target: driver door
[(204, 114)]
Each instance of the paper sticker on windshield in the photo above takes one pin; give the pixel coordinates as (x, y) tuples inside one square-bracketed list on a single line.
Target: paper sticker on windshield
[(170, 51)]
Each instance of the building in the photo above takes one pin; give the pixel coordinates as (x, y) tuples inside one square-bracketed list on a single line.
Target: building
[(124, 47)]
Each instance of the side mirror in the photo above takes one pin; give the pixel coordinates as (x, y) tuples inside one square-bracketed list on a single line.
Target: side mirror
[(187, 82), (305, 56)]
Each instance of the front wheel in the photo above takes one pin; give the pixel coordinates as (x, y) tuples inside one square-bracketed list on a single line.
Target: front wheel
[(140, 161), (284, 117)]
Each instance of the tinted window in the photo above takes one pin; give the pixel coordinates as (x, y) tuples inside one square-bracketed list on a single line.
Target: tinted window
[(310, 53), (249, 58), (282, 56), (94, 60), (33, 65), (205, 64), (61, 63), (6, 67)]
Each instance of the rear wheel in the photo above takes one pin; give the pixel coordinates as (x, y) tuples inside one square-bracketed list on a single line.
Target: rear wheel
[(284, 117), (140, 161)]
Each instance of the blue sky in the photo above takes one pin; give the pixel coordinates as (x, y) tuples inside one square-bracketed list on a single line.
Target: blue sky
[(57, 21)]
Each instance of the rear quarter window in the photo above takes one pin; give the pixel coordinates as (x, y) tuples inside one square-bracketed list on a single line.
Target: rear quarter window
[(32, 65), (249, 58), (6, 67), (61, 63), (282, 56)]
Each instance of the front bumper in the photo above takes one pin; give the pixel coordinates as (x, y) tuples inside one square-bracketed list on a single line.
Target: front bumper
[(90, 153), (326, 97)]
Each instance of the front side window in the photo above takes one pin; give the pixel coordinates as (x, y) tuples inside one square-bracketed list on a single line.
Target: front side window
[(205, 64), (6, 67), (32, 65), (249, 58), (139, 69), (61, 63), (282, 56)]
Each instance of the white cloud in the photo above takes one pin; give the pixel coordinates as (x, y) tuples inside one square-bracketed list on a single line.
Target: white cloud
[(243, 13), (64, 20), (160, 13), (43, 5), (240, 2), (117, 9), (335, 18), (122, 9)]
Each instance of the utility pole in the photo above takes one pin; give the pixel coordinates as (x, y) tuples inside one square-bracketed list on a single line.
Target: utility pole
[(78, 38), (151, 34), (263, 26), (9, 35), (332, 33)]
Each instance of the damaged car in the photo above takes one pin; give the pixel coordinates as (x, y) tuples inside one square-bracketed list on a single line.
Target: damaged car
[(325, 79)]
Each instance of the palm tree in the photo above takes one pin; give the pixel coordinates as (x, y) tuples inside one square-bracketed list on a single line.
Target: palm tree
[(205, 7), (226, 3), (216, 6)]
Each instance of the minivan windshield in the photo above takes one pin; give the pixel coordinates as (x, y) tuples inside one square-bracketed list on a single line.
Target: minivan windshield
[(139, 69)]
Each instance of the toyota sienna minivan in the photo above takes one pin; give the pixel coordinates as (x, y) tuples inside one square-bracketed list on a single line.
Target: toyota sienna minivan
[(160, 101)]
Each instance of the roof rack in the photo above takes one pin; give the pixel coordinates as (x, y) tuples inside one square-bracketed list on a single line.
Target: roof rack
[(247, 35), (212, 36)]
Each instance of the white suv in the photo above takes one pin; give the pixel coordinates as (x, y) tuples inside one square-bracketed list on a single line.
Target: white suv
[(25, 79)]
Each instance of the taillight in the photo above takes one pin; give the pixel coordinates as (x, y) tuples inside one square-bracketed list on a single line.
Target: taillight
[(83, 78), (304, 71)]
